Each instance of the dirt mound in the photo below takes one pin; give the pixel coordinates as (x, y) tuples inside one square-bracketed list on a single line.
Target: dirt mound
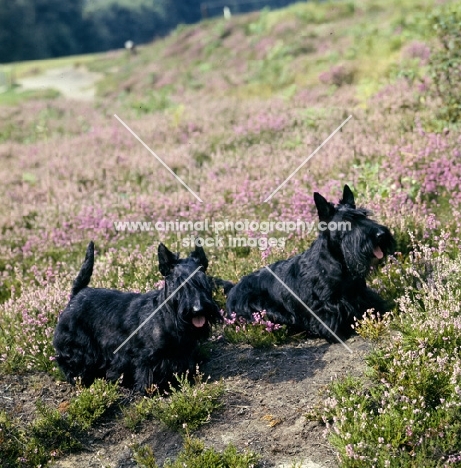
[(268, 393)]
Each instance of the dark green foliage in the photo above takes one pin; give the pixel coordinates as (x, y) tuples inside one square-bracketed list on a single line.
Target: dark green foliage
[(53, 432), (190, 406), (34, 29), (110, 23)]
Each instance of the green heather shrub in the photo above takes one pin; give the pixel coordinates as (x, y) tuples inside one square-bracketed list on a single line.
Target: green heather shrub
[(184, 407), (373, 326), (92, 402), (406, 412), (445, 62), (10, 440), (53, 431), (195, 455), (260, 333), (144, 457)]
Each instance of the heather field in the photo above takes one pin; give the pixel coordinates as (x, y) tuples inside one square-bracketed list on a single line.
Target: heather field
[(233, 107)]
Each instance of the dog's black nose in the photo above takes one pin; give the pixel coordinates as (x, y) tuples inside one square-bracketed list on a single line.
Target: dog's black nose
[(197, 308), (380, 235)]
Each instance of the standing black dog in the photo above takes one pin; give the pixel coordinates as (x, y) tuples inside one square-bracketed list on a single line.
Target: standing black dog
[(329, 277), (98, 321)]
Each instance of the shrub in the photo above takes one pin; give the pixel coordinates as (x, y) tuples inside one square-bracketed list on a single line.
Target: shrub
[(373, 326), (445, 62), (187, 406), (10, 440), (195, 455), (260, 333), (407, 412), (338, 75), (54, 431), (91, 403)]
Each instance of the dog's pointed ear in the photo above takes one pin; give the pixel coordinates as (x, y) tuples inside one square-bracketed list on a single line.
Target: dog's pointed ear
[(199, 255), (348, 197), (166, 260), (324, 208)]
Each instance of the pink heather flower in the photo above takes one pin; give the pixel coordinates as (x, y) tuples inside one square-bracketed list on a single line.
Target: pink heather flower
[(418, 50), (270, 326), (350, 451), (159, 284)]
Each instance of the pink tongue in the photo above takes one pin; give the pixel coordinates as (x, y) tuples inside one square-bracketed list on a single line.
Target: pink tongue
[(378, 252), (198, 321)]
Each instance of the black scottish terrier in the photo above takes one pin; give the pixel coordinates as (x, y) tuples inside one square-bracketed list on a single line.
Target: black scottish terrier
[(96, 322), (329, 277)]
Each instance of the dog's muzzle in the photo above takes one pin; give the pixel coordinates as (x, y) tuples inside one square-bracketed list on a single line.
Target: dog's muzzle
[(380, 249)]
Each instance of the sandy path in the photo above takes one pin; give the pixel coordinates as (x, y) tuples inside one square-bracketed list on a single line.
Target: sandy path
[(71, 82)]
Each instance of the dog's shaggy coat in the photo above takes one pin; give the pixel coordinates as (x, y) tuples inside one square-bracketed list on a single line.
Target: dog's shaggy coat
[(97, 321)]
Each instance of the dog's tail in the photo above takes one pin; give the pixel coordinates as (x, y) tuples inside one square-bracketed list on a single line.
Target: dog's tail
[(218, 282), (84, 276)]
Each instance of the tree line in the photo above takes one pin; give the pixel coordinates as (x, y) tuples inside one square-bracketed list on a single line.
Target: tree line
[(37, 29)]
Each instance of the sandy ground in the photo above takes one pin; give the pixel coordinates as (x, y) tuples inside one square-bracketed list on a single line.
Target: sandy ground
[(71, 82)]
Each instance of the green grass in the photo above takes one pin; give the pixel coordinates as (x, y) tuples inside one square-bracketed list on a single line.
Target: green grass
[(14, 97)]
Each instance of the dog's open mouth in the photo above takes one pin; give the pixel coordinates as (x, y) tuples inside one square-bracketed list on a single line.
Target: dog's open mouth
[(198, 321), (378, 253)]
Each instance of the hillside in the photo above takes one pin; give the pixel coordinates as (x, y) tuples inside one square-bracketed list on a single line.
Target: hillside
[(233, 107)]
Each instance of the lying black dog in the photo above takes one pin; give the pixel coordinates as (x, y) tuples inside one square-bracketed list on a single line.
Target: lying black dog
[(329, 278), (95, 336)]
